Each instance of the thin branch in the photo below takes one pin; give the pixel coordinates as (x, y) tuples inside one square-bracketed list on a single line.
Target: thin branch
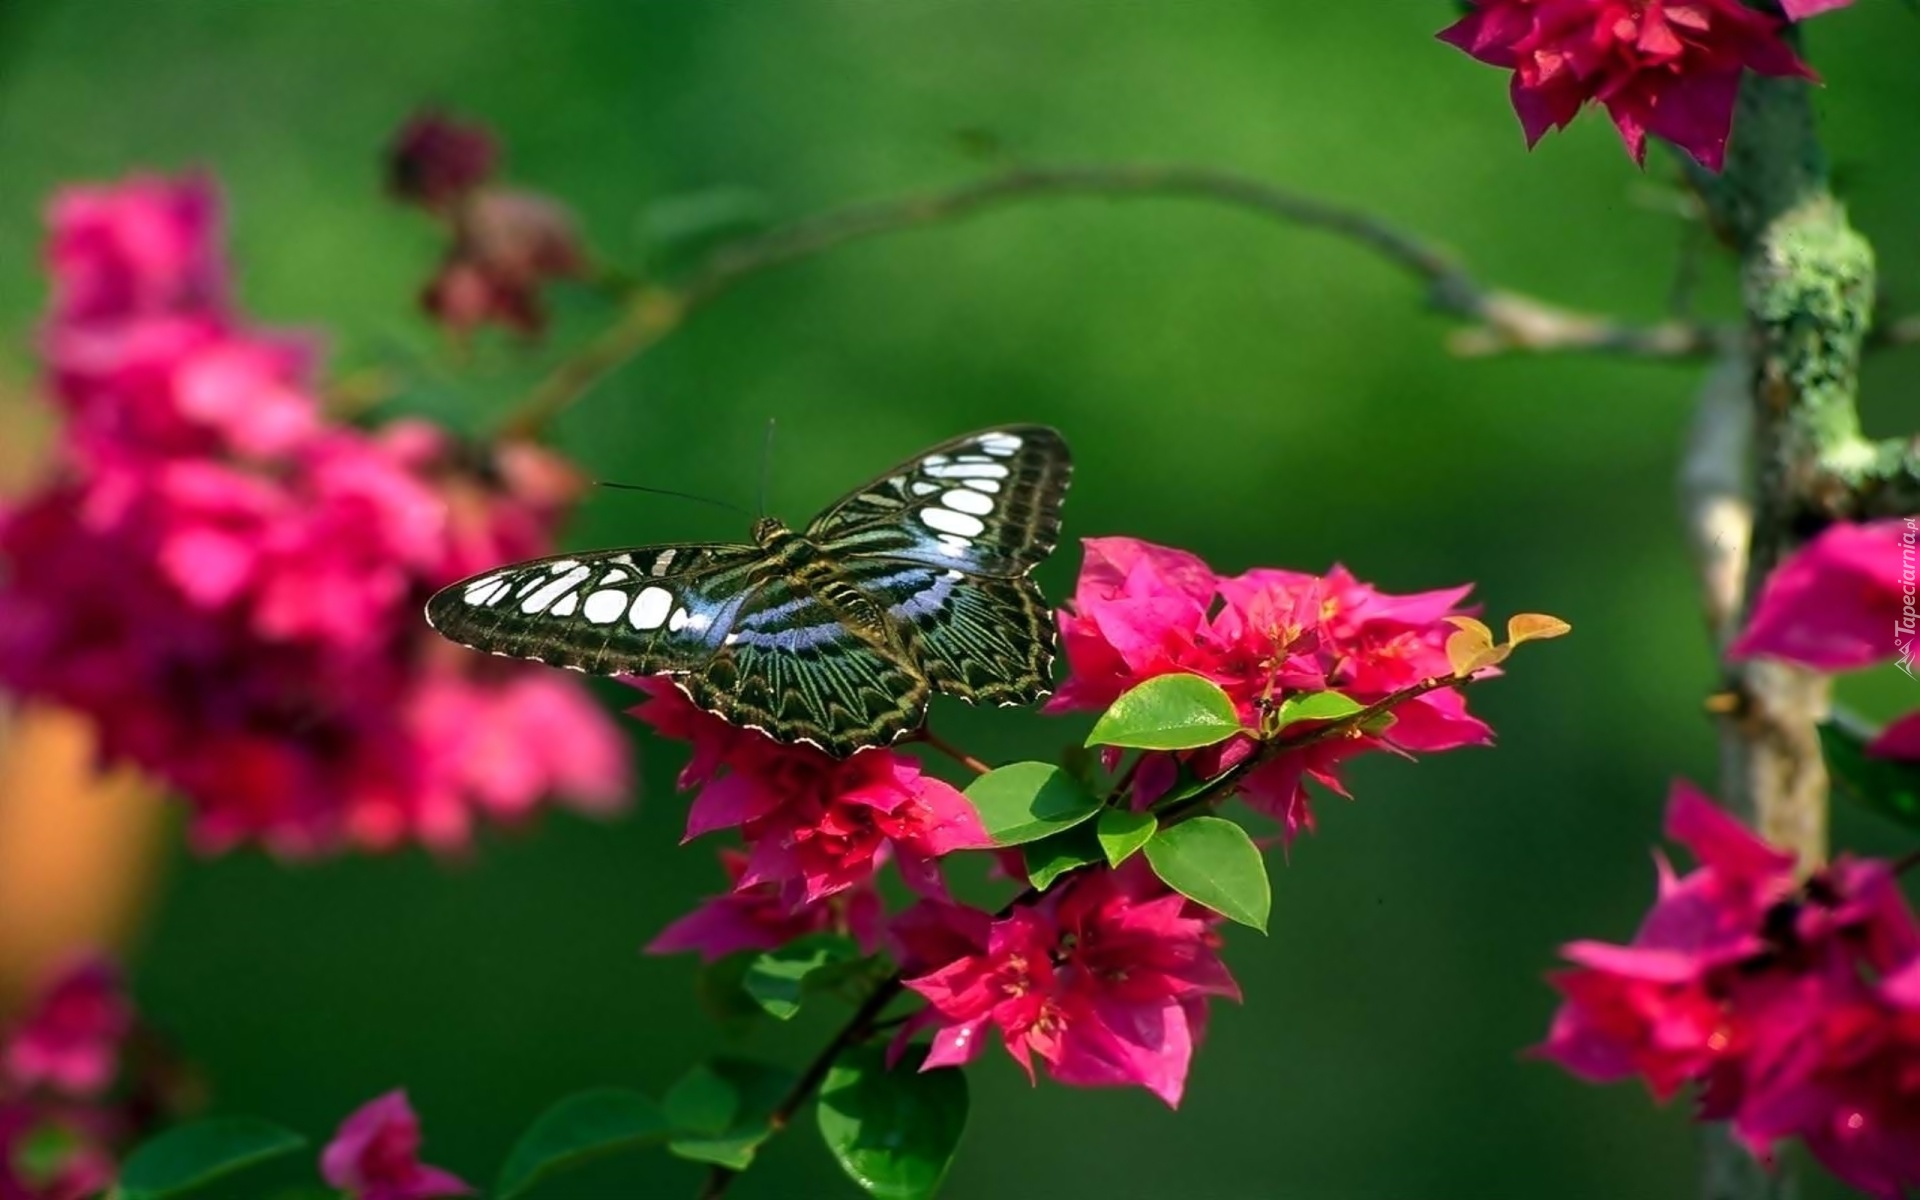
[(930, 738), (1504, 321)]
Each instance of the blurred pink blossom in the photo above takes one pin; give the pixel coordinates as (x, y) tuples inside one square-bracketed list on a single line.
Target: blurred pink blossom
[(376, 1156)]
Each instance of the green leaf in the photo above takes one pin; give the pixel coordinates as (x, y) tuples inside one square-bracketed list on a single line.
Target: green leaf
[(1168, 712), (779, 978), (893, 1132), (757, 1089), (579, 1128), (1122, 832), (720, 987), (1026, 801), (1050, 858), (1314, 706), (192, 1156), (702, 1102), (1890, 787), (1212, 861)]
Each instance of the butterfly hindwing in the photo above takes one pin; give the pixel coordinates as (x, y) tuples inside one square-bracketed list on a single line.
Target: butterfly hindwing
[(987, 504), (984, 640), (617, 612), (814, 683)]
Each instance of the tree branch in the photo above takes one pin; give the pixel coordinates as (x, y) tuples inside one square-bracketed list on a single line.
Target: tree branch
[(1501, 321), (1808, 290)]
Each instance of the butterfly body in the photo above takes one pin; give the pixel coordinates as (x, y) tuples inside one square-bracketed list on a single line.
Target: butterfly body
[(833, 636)]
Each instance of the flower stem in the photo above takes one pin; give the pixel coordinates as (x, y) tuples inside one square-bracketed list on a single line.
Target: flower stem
[(927, 735), (865, 1020)]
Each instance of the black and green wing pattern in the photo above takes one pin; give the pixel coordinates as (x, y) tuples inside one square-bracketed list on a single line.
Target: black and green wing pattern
[(914, 583)]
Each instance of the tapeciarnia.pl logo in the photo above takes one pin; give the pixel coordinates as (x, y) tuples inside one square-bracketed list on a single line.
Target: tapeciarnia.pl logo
[(1903, 629)]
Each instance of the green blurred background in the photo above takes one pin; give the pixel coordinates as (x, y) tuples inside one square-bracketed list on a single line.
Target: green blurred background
[(1255, 394)]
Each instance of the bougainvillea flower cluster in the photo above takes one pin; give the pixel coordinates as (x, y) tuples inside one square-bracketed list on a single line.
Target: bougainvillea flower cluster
[(1836, 604), (506, 245), (68, 1105), (229, 583), (814, 825), (1141, 610), (1670, 68), (376, 1156), (1792, 1006), (1105, 980)]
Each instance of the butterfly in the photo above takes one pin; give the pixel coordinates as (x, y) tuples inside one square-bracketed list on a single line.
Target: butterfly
[(834, 636)]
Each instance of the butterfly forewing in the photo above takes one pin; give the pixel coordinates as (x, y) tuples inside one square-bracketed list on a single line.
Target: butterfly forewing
[(618, 612), (987, 504)]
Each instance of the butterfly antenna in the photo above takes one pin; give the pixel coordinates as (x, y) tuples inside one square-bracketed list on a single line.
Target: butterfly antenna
[(766, 467), (640, 487)]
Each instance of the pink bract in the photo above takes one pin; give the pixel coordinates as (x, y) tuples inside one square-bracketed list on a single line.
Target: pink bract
[(376, 1156)]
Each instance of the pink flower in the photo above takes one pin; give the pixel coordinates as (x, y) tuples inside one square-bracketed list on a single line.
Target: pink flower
[(146, 248), (813, 823), (756, 917), (1838, 603), (230, 585), (1105, 979), (376, 1156), (70, 1040), (1667, 67), (1793, 1006), (508, 246), (1800, 10), (1140, 611)]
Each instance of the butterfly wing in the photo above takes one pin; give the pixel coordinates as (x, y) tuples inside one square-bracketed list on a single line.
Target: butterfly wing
[(792, 670), (987, 504), (645, 611), (945, 541), (984, 640)]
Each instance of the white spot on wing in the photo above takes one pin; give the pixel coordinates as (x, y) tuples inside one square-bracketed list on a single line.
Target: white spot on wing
[(962, 500), (957, 545), (922, 488), (606, 607), (562, 565), (1004, 445), (568, 603), (678, 621), (553, 589), (614, 576), (650, 608), (482, 592), (984, 469), (947, 521), (990, 486), (661, 563)]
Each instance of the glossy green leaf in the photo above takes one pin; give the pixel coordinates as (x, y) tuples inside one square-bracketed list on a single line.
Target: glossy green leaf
[(1213, 862), (778, 979), (193, 1156), (1026, 801), (720, 987), (1050, 858), (579, 1128), (757, 1089), (1891, 787), (1121, 832), (1169, 712), (1314, 706), (893, 1132), (703, 1101)]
